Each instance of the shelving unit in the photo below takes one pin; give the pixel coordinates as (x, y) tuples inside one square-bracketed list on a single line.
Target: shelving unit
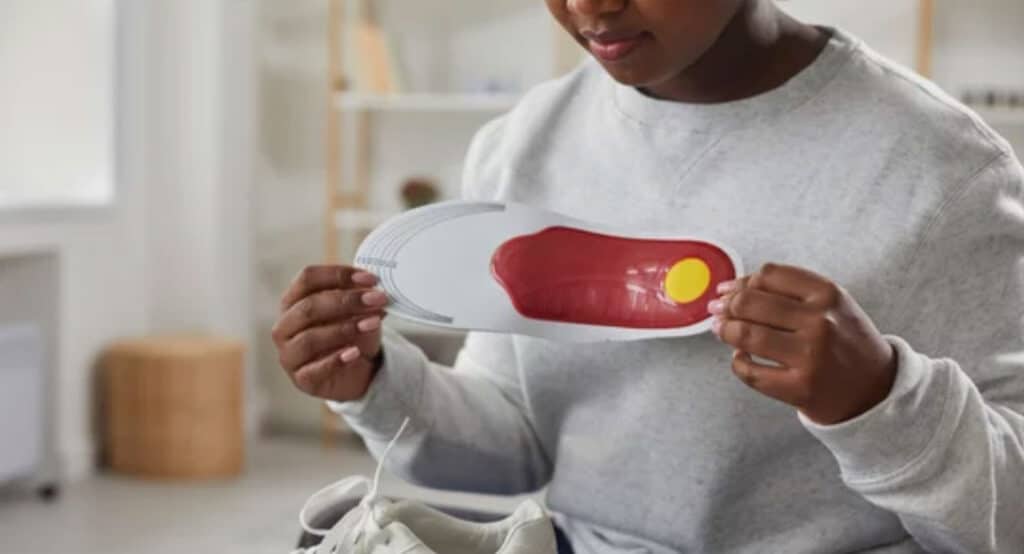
[(425, 102), (359, 120), (355, 115), (925, 36), (1002, 117), (348, 219)]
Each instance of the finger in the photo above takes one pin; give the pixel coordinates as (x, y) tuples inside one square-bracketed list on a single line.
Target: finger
[(312, 377), (794, 282), (316, 342), (370, 324), (757, 306), (314, 279), (325, 307), (781, 384), (730, 287), (780, 346)]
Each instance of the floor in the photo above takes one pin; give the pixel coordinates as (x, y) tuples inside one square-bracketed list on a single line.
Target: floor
[(255, 514)]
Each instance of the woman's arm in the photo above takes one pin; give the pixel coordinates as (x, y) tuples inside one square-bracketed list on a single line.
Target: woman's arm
[(470, 428), (945, 450)]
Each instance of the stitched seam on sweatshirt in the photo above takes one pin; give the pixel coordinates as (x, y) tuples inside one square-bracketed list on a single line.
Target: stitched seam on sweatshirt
[(873, 483), (411, 411), (931, 91), (528, 422), (424, 366), (688, 169), (531, 415), (403, 404), (966, 186), (825, 85), (959, 192)]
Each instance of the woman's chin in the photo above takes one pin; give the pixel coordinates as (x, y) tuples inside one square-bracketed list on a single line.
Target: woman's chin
[(630, 75)]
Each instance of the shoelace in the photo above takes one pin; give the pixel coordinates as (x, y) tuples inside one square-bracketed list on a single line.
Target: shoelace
[(342, 489)]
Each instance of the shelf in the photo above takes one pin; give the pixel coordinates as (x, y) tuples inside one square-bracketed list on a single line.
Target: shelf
[(360, 220), (453, 11), (1001, 117), (426, 102)]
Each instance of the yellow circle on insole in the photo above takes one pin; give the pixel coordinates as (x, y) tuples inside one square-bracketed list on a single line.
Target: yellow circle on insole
[(688, 280)]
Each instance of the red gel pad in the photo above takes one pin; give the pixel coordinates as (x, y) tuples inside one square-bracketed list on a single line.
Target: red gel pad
[(574, 276)]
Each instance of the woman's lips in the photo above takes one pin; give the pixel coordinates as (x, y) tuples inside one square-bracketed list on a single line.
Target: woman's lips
[(615, 48)]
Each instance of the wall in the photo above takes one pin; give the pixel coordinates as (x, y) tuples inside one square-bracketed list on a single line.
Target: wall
[(172, 253), (101, 286), (199, 131), (199, 134), (977, 42), (50, 114), (289, 191)]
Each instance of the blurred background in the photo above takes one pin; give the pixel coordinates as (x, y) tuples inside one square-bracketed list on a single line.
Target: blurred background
[(168, 166)]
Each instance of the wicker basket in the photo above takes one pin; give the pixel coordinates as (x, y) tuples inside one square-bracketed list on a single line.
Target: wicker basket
[(173, 407)]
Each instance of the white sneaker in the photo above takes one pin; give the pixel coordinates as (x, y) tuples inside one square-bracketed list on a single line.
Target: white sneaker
[(380, 526), (527, 531)]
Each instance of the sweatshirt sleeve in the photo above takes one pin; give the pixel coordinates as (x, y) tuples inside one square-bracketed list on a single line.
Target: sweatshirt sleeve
[(945, 450), (470, 425)]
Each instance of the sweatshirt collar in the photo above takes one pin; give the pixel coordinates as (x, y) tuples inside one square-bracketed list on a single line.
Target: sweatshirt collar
[(721, 117)]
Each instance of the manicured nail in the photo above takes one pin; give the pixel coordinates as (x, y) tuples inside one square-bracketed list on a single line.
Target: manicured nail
[(350, 354), (363, 278), (725, 287), (369, 324), (716, 326), (716, 307), (375, 298)]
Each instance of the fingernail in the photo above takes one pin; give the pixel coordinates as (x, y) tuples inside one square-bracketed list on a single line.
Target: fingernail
[(369, 324), (725, 287), (716, 326), (364, 278), (350, 354), (716, 307), (375, 298)]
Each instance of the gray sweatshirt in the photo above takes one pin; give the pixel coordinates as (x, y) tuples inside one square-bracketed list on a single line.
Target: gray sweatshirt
[(854, 169)]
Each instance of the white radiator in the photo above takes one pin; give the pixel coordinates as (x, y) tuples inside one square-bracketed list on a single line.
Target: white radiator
[(22, 379)]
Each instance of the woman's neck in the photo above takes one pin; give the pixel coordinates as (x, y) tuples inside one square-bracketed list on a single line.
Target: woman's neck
[(760, 49)]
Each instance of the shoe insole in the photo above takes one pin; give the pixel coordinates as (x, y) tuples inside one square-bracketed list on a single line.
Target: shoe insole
[(517, 269)]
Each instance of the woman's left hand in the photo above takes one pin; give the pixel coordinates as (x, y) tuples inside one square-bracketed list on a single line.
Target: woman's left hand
[(834, 365)]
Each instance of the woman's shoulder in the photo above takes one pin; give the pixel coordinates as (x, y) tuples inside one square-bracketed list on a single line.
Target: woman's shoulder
[(552, 103), (531, 127), (938, 146), (918, 109)]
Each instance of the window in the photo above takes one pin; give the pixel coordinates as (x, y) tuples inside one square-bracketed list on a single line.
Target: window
[(56, 102)]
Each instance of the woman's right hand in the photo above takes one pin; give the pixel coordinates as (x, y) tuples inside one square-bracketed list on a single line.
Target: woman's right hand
[(328, 334)]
